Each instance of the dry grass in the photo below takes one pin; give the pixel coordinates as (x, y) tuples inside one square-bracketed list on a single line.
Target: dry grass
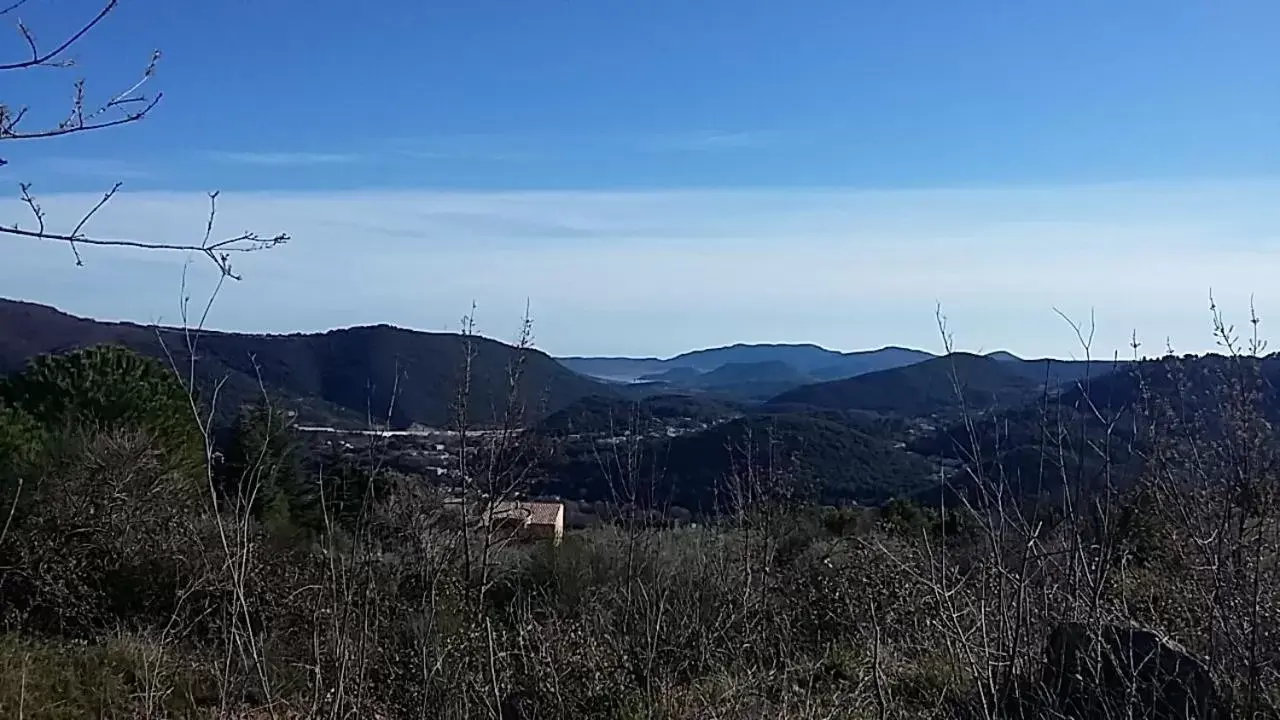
[(123, 593)]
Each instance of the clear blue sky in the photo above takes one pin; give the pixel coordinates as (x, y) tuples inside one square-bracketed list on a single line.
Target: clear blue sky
[(789, 113)]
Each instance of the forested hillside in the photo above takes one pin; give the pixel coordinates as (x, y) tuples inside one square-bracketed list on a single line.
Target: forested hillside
[(131, 569), (357, 375), (934, 387)]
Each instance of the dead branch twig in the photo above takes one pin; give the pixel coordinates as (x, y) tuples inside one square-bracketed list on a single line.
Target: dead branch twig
[(45, 58), (217, 251)]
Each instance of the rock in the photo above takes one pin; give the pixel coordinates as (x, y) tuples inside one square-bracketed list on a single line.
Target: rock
[(1103, 671)]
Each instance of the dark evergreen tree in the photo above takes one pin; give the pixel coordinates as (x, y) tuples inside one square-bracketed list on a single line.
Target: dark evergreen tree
[(350, 486), (262, 468), (111, 387), (21, 445)]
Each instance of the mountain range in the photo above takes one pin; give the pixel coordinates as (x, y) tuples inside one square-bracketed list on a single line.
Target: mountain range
[(809, 360), (404, 377), (941, 385), (884, 425), (355, 375), (812, 375)]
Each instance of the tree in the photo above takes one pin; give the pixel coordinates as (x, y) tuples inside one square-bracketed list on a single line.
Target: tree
[(350, 486), (111, 387), (85, 115), (21, 442), (20, 438), (262, 467)]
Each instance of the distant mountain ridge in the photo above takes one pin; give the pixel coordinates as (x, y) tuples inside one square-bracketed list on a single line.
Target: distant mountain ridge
[(944, 384), (383, 373), (736, 372), (918, 390), (806, 359), (759, 372), (352, 375)]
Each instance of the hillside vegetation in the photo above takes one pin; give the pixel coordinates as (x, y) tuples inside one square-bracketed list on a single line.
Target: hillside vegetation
[(355, 376), (934, 387), (803, 458), (133, 584), (1090, 434), (800, 457), (653, 414)]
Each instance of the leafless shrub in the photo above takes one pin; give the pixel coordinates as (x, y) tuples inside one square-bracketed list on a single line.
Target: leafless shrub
[(86, 115), (409, 609), (1180, 541)]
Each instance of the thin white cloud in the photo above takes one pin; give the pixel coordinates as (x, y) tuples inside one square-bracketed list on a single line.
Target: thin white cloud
[(105, 168), (475, 146), (710, 141), (283, 159), (660, 272), (506, 148)]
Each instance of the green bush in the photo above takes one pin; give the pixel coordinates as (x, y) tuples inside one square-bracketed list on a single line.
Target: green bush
[(117, 678), (110, 387), (21, 443), (263, 470)]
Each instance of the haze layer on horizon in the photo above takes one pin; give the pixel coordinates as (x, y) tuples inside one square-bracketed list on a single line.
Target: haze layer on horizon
[(662, 272)]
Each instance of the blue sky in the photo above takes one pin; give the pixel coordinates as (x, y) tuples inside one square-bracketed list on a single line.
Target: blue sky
[(663, 175)]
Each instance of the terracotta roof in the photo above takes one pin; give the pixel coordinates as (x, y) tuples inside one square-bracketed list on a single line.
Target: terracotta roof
[(539, 513)]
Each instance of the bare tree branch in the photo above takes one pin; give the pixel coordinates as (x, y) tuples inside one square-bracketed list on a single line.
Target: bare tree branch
[(13, 6), (82, 117), (122, 108), (81, 120), (218, 251), (47, 58)]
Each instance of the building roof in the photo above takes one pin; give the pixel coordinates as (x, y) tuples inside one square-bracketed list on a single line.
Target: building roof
[(538, 513)]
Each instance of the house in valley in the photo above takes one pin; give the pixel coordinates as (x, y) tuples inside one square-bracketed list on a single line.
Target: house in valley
[(523, 520), (530, 520)]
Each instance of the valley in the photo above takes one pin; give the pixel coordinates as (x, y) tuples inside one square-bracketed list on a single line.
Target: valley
[(411, 453), (837, 428), (639, 361)]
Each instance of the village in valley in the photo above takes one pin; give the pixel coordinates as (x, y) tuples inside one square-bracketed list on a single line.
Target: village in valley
[(433, 456)]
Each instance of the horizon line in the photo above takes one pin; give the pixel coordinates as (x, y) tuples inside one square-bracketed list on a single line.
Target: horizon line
[(159, 324)]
